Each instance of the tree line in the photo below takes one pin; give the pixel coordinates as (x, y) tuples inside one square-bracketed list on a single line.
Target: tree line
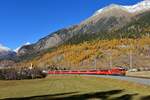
[(21, 73)]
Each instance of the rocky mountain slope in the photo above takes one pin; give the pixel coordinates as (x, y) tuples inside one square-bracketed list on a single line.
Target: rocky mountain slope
[(106, 23), (6, 53)]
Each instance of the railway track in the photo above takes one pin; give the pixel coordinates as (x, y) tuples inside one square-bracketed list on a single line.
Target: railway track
[(144, 81)]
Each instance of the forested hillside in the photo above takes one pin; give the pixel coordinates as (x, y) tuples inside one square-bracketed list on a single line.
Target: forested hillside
[(96, 53)]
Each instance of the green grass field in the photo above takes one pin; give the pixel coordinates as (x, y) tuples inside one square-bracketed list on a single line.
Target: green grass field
[(73, 88)]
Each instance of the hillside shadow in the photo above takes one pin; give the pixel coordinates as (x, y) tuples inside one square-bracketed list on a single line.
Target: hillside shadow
[(146, 98), (76, 96), (125, 97), (41, 97)]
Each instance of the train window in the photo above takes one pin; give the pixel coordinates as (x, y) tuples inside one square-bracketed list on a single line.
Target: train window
[(82, 71), (65, 71), (74, 71), (103, 70), (93, 71)]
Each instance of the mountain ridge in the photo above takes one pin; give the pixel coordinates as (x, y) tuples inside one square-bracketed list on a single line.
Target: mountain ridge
[(99, 25), (141, 6), (6, 53)]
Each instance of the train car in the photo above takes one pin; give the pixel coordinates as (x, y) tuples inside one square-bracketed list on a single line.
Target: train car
[(113, 71), (118, 71)]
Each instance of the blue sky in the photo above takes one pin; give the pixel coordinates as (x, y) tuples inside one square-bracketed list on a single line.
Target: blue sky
[(24, 21)]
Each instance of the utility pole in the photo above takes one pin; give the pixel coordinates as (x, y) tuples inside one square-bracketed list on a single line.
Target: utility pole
[(95, 63), (131, 58), (110, 60)]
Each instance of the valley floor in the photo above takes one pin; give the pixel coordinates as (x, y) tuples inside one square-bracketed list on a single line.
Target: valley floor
[(62, 87)]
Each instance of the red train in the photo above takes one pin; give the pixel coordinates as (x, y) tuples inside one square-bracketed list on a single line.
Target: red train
[(114, 71)]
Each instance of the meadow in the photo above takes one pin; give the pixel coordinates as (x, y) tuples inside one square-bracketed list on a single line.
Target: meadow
[(73, 87)]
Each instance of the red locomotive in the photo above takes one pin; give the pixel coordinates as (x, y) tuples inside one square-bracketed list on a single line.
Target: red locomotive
[(113, 71)]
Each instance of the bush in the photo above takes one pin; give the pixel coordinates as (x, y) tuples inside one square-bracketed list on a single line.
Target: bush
[(20, 74)]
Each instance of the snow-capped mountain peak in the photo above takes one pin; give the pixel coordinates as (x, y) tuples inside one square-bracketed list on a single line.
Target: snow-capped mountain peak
[(141, 6), (5, 52), (28, 43), (112, 6), (3, 48), (17, 49)]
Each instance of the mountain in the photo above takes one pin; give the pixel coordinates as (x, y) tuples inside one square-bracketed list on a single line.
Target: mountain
[(17, 49), (139, 7), (113, 21), (6, 53)]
